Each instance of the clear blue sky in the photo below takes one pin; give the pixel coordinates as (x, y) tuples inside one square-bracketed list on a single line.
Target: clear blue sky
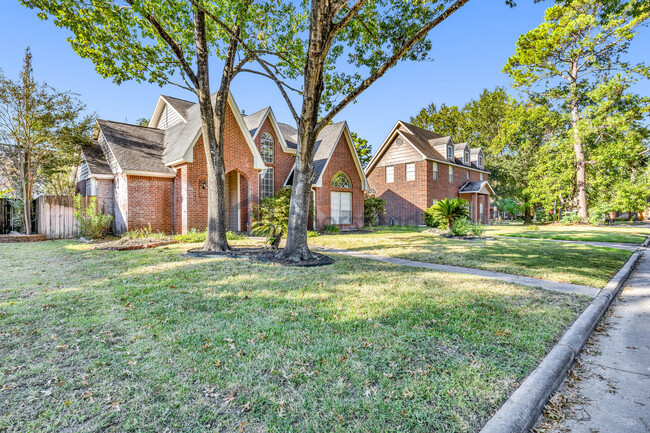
[(469, 51)]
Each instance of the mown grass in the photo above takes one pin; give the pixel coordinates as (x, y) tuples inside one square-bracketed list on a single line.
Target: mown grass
[(152, 340), (567, 263), (634, 234)]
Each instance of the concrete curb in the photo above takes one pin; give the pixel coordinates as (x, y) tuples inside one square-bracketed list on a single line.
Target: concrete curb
[(646, 242), (520, 412)]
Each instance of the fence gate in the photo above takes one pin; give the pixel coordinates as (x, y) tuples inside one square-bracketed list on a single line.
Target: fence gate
[(55, 215)]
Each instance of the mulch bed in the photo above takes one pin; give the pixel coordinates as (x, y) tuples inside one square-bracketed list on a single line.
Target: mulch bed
[(21, 238), (133, 244), (265, 255)]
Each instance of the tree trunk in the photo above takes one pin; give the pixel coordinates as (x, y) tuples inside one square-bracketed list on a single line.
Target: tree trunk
[(579, 155), (212, 128), (27, 207), (296, 248)]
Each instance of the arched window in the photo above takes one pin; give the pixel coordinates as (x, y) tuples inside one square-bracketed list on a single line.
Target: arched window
[(341, 180), (267, 147)]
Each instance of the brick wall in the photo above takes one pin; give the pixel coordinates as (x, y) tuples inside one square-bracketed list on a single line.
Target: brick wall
[(151, 202), (282, 162), (342, 160), (105, 201), (406, 201)]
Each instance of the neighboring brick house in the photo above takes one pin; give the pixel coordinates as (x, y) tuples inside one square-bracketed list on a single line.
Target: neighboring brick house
[(157, 175), (414, 168)]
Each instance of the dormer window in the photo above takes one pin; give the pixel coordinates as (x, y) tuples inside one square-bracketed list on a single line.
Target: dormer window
[(450, 153), (480, 161), (466, 157)]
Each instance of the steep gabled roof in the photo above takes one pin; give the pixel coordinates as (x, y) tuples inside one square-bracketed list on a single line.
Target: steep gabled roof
[(254, 121), (290, 135), (136, 148), (95, 159), (180, 105)]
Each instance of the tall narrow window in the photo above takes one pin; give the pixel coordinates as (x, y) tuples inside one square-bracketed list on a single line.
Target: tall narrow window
[(410, 171), (390, 174), (267, 187), (435, 171), (466, 157), (481, 176), (480, 212), (451, 174), (341, 207), (267, 147), (341, 180), (480, 161), (467, 174), (450, 153)]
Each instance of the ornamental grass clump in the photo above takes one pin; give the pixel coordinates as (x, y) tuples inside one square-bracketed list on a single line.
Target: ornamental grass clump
[(446, 212)]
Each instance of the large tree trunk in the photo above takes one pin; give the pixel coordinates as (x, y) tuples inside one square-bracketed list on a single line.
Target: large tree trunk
[(296, 248), (212, 128), (27, 206), (579, 155)]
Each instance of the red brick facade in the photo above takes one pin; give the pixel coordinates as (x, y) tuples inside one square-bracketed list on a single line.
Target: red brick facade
[(406, 201), (179, 204), (341, 160)]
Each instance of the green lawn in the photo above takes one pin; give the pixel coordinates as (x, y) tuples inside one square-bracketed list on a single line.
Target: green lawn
[(635, 234), (152, 340), (568, 263)]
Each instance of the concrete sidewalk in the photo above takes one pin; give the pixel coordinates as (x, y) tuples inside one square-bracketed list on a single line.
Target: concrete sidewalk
[(508, 278), (612, 393)]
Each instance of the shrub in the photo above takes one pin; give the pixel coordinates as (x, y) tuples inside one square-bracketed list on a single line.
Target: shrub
[(569, 219), (597, 214), (532, 227), (460, 227), (271, 217), (143, 233), (194, 235), (312, 234), (447, 211), (92, 223), (477, 229), (428, 218), (331, 228), (373, 208)]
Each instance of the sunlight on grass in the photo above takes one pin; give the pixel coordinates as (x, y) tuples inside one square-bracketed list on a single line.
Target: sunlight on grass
[(155, 340)]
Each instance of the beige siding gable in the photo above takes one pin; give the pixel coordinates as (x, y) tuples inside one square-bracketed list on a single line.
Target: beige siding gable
[(168, 118), (399, 153)]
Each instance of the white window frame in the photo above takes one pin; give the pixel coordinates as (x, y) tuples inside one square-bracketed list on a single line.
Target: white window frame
[(480, 213), (264, 193), (336, 207), (450, 153), (410, 169), (467, 174), (435, 171), (451, 174), (390, 173), (480, 161), (266, 136), (481, 176), (466, 157)]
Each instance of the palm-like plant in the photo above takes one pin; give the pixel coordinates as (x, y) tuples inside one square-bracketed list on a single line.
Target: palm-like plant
[(447, 211), (272, 217)]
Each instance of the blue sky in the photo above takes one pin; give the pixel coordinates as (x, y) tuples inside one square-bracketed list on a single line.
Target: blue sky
[(469, 51)]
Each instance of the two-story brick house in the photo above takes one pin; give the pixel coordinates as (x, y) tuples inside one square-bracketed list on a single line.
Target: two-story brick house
[(156, 175), (415, 167)]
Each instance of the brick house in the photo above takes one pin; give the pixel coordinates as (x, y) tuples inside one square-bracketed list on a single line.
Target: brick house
[(414, 168), (156, 174)]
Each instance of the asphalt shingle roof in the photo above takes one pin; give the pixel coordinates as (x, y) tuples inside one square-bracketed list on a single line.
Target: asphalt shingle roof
[(290, 135), (254, 121), (137, 148), (475, 186), (95, 158), (180, 105)]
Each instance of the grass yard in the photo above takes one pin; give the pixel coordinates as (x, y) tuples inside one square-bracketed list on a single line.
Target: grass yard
[(634, 234), (567, 263), (152, 340)]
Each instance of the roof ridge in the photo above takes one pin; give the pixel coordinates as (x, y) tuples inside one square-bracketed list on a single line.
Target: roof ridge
[(131, 124)]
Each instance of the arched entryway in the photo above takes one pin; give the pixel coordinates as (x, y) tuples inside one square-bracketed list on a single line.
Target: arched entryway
[(236, 201)]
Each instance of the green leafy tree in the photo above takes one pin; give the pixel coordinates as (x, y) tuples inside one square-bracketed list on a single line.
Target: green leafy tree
[(364, 150), (170, 42), (573, 56), (444, 120), (373, 208), (40, 132)]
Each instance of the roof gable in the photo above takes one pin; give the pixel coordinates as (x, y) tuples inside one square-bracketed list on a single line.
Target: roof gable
[(479, 187), (327, 140), (255, 121)]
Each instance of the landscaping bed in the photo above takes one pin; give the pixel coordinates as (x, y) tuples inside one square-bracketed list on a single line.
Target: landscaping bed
[(127, 244), (154, 340), (263, 254)]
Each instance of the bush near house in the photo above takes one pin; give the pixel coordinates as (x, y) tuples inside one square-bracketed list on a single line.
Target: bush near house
[(447, 211), (569, 219), (91, 221), (271, 217), (331, 228), (373, 208)]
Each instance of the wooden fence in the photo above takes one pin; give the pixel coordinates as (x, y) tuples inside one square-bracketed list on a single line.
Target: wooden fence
[(55, 216)]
